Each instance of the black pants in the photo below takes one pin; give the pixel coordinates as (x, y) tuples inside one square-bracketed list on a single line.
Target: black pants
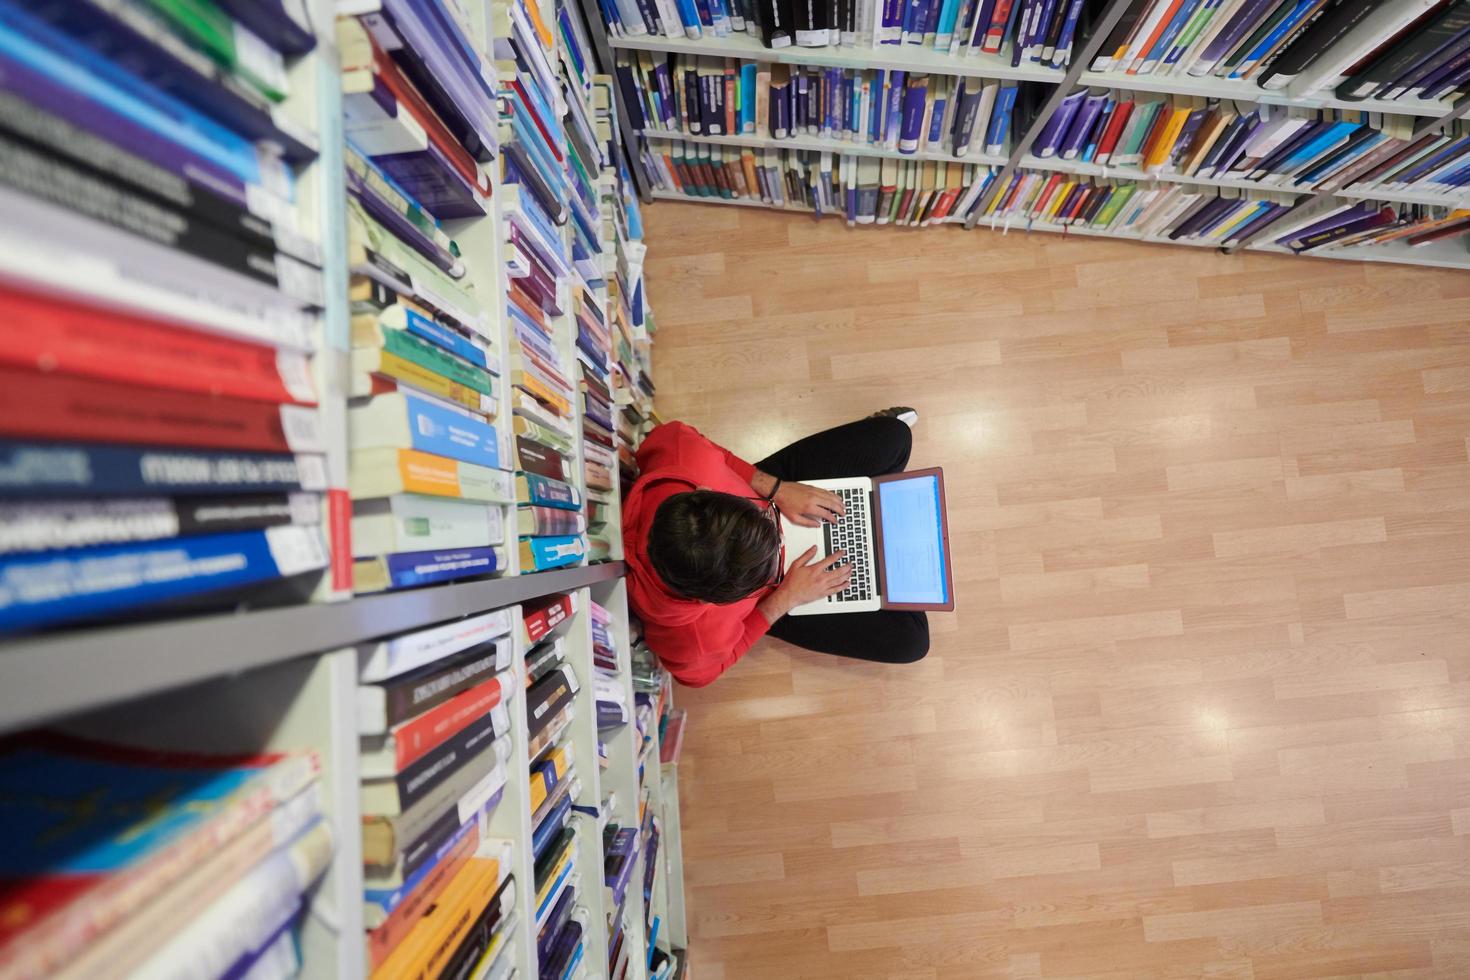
[(871, 447)]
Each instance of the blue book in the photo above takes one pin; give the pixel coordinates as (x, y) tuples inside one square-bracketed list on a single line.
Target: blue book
[(1286, 24), (747, 97), (533, 489), (719, 17), (1000, 119), (50, 587), (1310, 149), (53, 469), (689, 14), (875, 107), (408, 569), (893, 113), (402, 420), (1110, 105), (552, 551), (550, 825), (936, 119), (1177, 23), (1063, 54), (553, 893), (445, 338), (706, 16), (915, 94), (949, 12), (1176, 50), (913, 19), (77, 67)]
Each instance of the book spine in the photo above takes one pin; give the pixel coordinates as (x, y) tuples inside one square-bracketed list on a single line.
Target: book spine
[(416, 780), (536, 489), (410, 569), (542, 553), (419, 892), (416, 738)]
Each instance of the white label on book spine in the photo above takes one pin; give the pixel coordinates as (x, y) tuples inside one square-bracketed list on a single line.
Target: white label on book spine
[(296, 549), (302, 427), (311, 470), (295, 372)]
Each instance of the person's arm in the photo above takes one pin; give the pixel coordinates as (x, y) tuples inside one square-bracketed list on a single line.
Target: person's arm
[(806, 581)]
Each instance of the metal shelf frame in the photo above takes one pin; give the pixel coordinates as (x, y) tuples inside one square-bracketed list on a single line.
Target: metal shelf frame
[(47, 678)]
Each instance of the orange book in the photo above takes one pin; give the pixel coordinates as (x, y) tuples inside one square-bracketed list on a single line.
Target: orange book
[(1159, 153), (541, 391), (385, 938), (429, 945), (1158, 31)]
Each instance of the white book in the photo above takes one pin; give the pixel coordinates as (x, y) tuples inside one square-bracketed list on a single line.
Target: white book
[(1386, 20), (415, 522), (410, 651), (1133, 56), (246, 916)]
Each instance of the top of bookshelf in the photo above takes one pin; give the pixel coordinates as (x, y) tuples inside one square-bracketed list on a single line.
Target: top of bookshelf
[(888, 57), (47, 677)]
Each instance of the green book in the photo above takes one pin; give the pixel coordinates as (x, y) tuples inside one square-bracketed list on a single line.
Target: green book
[(1110, 210), (438, 360), (208, 28), (1145, 126)]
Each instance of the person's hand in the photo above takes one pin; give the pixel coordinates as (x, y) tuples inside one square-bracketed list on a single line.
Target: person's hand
[(808, 506), (810, 577)]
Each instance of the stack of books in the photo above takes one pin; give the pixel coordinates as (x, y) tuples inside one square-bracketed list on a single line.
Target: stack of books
[(613, 710), (428, 470), (1037, 32), (434, 726), (538, 207), (158, 421), (862, 190), (903, 112), (1183, 213), (1273, 146), (1344, 225), (561, 919), (1358, 49), (130, 862)]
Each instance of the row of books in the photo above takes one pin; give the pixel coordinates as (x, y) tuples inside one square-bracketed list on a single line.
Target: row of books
[(130, 861), (1369, 223), (653, 700), (903, 112), (428, 469), (620, 854), (1039, 32), (555, 788), (1276, 146), (159, 432), (540, 205), (1354, 49), (863, 189), (434, 727)]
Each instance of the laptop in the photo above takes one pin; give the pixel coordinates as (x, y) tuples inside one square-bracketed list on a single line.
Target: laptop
[(896, 535)]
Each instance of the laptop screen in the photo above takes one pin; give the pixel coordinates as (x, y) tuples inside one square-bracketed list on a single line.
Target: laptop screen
[(913, 541)]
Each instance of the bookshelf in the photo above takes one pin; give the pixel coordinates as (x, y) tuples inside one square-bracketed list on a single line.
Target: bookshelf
[(249, 677), (1048, 86)]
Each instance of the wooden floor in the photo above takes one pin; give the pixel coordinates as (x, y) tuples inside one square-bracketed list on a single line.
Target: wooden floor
[(1204, 708)]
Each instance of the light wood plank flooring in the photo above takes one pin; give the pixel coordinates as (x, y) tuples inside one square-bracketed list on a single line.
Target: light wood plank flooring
[(1204, 708)]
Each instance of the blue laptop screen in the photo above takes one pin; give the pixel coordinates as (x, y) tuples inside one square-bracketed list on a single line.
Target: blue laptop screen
[(913, 541)]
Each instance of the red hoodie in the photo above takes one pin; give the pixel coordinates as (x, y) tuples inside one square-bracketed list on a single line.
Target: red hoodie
[(696, 641)]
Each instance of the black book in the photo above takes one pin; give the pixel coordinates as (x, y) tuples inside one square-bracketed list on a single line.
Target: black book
[(1120, 33), (389, 797), (1090, 210), (1327, 164), (543, 658), (1414, 57), (467, 954), (1317, 40), (547, 697), (271, 22), (1441, 65), (47, 177), (53, 134), (42, 525), (775, 17), (693, 103), (548, 861), (650, 17), (631, 100), (381, 706)]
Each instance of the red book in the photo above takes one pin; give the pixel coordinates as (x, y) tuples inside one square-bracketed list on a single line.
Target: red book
[(1157, 31), (410, 100), (526, 103), (527, 305), (1444, 231), (52, 334), (995, 34), (1078, 203), (541, 616), (51, 406), (730, 125), (1113, 130), (539, 363), (417, 737)]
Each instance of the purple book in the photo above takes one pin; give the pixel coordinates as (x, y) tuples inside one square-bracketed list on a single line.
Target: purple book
[(1204, 217), (1343, 217), (1260, 222), (666, 94), (1050, 137), (1186, 136), (982, 22), (1441, 56), (1383, 216), (432, 181), (44, 93), (1245, 19), (1224, 153), (562, 950), (1446, 78), (1077, 132), (915, 93), (893, 116)]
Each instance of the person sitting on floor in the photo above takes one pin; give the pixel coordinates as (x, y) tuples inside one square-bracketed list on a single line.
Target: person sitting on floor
[(702, 538)]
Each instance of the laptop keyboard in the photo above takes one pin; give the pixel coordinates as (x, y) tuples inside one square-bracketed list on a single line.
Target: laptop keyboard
[(852, 536)]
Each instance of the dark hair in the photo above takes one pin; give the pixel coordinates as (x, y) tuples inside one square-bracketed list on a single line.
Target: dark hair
[(712, 546)]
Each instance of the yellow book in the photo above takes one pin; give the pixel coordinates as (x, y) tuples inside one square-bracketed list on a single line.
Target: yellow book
[(368, 361), (752, 182), (567, 857), (561, 762), (384, 472), (1248, 211), (532, 385), (1055, 204), (1158, 153), (427, 949)]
